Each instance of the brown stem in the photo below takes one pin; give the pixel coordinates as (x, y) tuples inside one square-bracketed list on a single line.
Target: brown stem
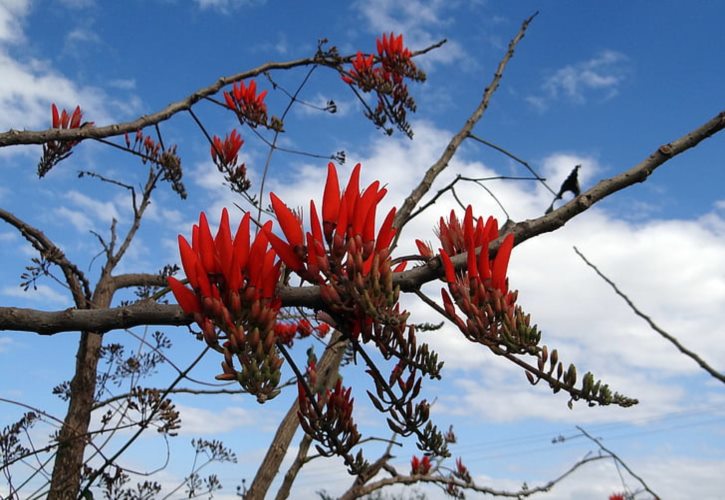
[(403, 215), (65, 480), (269, 467)]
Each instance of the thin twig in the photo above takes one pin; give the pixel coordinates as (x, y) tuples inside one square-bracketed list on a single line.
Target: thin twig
[(690, 354), (619, 460)]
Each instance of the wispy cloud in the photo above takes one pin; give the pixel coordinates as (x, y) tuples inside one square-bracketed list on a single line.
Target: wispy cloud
[(227, 6), (599, 77), (420, 22), (42, 293)]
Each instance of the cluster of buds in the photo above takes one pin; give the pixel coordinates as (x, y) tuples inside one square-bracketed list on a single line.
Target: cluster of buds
[(287, 331), (343, 255), (420, 466), (166, 159), (225, 155), (352, 266), (386, 75), (247, 104), (56, 151), (233, 300), (327, 418), (481, 290)]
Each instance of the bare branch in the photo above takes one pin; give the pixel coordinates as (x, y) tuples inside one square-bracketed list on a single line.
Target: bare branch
[(146, 313), (402, 217), (692, 355), (618, 460), (17, 137), (447, 480), (77, 282)]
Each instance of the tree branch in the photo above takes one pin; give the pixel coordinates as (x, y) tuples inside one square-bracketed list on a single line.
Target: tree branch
[(145, 313), (692, 355), (403, 215)]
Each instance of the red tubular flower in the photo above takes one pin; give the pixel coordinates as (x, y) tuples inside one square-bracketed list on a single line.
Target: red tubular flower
[(248, 105), (187, 299), (420, 466), (226, 152), (290, 250), (330, 202)]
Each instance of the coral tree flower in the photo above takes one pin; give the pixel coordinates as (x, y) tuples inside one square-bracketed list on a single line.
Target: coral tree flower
[(420, 466), (345, 216), (248, 105), (226, 152), (480, 290)]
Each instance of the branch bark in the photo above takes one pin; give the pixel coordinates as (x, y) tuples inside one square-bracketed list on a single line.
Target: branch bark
[(268, 469), (150, 313)]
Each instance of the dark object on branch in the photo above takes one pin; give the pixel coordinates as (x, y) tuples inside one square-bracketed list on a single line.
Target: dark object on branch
[(570, 184)]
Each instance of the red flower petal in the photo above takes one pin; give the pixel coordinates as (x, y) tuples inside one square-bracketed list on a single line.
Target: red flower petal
[(501, 262), (188, 261), (241, 241), (331, 198), (56, 117), (288, 221), (386, 233), (448, 267), (187, 299), (207, 250), (285, 252)]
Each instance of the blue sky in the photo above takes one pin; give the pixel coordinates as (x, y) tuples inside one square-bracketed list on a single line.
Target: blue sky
[(599, 86)]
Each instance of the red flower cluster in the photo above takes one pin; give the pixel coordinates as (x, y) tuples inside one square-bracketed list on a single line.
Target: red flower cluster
[(233, 298), (145, 145), (247, 104), (395, 57), (225, 155), (420, 466), (481, 290), (386, 74), (226, 152), (334, 427), (342, 253), (286, 331), (55, 151), (65, 119), (348, 219)]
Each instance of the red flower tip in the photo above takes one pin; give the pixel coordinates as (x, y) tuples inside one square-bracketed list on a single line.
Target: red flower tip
[(501, 262), (56, 117), (448, 267), (424, 249), (288, 221), (187, 299)]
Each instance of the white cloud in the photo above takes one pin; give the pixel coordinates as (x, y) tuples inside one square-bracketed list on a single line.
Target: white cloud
[(600, 77), (43, 293), (76, 218), (200, 422), (227, 6), (104, 211), (11, 14), (419, 22)]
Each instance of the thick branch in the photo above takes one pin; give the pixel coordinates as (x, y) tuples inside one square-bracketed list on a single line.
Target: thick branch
[(146, 313)]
